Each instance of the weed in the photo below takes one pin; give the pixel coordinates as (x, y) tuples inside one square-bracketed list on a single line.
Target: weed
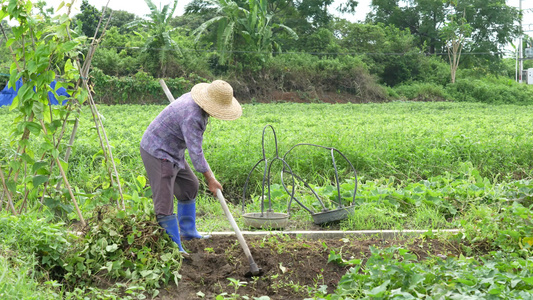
[(236, 284)]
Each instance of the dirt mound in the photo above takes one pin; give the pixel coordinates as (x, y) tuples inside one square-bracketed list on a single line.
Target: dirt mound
[(292, 267)]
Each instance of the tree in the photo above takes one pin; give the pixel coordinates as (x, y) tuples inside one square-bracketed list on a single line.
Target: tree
[(423, 18), (493, 23), (158, 42), (455, 32), (389, 52), (227, 15), (89, 18), (248, 27), (259, 28), (305, 17), (45, 12), (120, 19), (315, 11)]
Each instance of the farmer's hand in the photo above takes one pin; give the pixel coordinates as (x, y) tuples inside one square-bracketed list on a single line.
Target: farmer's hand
[(212, 183)]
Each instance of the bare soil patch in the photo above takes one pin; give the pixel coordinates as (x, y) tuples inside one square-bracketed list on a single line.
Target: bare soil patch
[(291, 265)]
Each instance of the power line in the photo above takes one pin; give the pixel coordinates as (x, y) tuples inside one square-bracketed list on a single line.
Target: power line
[(312, 53)]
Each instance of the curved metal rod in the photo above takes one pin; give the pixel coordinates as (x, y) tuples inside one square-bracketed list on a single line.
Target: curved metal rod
[(266, 174), (336, 178), (266, 166), (293, 185), (275, 141), (246, 183), (333, 150), (294, 197), (263, 188)]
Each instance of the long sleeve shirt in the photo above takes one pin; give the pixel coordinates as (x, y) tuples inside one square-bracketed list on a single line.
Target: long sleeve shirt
[(178, 127)]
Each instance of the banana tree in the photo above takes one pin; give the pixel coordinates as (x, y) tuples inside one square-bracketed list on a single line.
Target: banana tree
[(258, 28), (251, 23), (159, 29), (227, 16)]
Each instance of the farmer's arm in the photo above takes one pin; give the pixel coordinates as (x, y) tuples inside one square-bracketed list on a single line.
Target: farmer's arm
[(212, 183), (193, 133)]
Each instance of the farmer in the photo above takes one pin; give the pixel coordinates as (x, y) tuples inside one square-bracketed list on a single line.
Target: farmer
[(179, 127)]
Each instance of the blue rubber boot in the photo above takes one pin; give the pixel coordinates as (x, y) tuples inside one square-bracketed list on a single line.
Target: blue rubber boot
[(187, 220), (170, 223)]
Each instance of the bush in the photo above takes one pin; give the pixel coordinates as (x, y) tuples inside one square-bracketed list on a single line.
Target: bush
[(422, 91), (139, 89), (491, 90), (29, 236), (115, 246), (312, 78), (433, 70), (115, 64)]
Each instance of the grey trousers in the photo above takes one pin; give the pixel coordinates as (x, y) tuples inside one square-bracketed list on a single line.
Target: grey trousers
[(167, 181)]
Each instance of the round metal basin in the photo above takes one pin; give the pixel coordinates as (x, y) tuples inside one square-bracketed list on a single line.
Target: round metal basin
[(266, 220), (333, 215)]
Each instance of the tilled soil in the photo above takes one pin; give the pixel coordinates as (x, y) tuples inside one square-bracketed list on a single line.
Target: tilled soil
[(291, 266)]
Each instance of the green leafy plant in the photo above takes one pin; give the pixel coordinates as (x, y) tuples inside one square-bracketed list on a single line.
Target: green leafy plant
[(126, 247), (395, 272)]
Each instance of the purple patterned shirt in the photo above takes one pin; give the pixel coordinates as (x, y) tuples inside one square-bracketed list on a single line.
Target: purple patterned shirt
[(179, 126)]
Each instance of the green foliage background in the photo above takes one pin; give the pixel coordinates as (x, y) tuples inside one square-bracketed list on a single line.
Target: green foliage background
[(331, 60)]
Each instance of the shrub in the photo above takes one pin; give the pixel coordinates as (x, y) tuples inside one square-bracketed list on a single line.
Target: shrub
[(139, 89), (312, 77), (422, 91), (433, 70), (29, 236), (117, 64), (491, 90), (114, 247)]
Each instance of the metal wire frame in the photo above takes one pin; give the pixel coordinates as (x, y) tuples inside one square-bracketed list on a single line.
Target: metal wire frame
[(266, 175), (288, 170), (339, 198)]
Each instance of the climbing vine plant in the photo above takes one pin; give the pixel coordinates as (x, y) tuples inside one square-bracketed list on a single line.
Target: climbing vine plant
[(44, 51)]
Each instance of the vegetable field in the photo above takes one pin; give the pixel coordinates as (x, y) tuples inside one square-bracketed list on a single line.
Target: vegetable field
[(426, 166)]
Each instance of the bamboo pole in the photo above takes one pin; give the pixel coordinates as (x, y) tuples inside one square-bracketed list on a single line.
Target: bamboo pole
[(84, 73), (96, 115), (10, 200), (166, 90), (64, 175), (110, 152), (69, 146), (70, 191)]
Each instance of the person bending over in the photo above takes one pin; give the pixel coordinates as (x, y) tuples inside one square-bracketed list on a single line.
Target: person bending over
[(179, 127)]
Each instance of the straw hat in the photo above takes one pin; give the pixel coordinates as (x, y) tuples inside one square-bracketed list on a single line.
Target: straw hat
[(217, 100)]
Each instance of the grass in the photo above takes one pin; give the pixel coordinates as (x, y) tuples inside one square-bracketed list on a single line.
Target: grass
[(419, 159), (23, 240), (419, 166), (431, 161), (409, 141), (370, 216), (16, 281)]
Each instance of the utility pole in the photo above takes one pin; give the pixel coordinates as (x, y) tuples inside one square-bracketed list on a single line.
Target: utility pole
[(520, 54)]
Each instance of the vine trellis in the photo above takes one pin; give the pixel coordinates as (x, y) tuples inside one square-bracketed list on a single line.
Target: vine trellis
[(44, 51)]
